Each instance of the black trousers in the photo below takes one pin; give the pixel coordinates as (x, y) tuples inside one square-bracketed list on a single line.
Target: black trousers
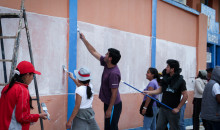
[(211, 125), (115, 117), (197, 102)]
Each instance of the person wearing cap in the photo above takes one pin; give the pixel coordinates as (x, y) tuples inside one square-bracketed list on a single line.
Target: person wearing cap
[(83, 116), (111, 76), (16, 102), (210, 112), (200, 84)]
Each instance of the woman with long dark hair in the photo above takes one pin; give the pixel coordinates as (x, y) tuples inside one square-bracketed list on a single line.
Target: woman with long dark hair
[(149, 122), (83, 116), (16, 102)]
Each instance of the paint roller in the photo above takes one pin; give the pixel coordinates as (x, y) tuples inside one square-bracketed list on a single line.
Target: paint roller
[(64, 68), (43, 105), (78, 29), (147, 95)]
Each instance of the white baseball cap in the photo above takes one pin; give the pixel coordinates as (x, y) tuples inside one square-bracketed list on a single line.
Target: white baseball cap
[(83, 74)]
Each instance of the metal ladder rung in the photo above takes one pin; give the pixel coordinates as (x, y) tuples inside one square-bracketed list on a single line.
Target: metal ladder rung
[(3, 84), (9, 15), (8, 37), (5, 60)]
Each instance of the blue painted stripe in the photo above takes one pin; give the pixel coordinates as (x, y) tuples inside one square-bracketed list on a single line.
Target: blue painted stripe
[(111, 115), (214, 56), (182, 6), (218, 39), (153, 38), (211, 49), (212, 38), (218, 55), (72, 53)]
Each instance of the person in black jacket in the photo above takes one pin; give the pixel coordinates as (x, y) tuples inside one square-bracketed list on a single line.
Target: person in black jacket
[(172, 86)]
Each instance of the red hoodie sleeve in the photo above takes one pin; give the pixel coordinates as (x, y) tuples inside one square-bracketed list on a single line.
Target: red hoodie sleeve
[(22, 112)]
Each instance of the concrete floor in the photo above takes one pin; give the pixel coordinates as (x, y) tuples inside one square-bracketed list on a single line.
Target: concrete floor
[(188, 127)]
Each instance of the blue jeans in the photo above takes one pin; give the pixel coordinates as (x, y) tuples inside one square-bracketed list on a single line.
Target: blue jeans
[(150, 122), (181, 122)]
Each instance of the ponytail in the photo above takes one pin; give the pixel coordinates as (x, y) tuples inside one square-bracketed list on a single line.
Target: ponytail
[(88, 89), (158, 77), (155, 73), (30, 101), (89, 92), (17, 78)]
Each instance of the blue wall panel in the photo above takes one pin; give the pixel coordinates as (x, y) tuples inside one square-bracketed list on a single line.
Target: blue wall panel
[(153, 38), (72, 53)]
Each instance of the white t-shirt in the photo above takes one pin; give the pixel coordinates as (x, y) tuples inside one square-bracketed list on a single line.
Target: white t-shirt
[(85, 103), (215, 89)]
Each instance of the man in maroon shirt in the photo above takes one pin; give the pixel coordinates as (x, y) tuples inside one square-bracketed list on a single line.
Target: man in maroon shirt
[(111, 76)]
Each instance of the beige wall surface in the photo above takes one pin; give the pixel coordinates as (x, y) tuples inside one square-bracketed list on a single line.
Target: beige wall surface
[(176, 25), (58, 8), (56, 105), (127, 15)]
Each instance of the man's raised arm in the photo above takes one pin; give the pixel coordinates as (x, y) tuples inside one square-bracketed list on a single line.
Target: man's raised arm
[(90, 48)]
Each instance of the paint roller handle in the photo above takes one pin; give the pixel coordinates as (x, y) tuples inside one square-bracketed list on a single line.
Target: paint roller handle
[(48, 115), (74, 79), (43, 116), (71, 75), (147, 95), (82, 36), (150, 92), (78, 29), (147, 92)]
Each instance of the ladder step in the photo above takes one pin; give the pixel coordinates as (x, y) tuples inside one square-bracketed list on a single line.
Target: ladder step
[(7, 37), (9, 15), (3, 84), (34, 99), (5, 60)]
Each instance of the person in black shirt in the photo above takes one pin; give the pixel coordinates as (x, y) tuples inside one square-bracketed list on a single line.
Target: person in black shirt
[(172, 86)]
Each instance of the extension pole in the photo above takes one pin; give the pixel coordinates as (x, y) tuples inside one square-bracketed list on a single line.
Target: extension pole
[(147, 95)]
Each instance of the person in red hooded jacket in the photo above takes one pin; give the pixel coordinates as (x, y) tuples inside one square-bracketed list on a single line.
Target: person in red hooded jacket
[(16, 102)]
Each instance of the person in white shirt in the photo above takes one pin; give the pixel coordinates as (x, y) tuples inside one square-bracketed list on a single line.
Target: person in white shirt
[(200, 84), (83, 116)]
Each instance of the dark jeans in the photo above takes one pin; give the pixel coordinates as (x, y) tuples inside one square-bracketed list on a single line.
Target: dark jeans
[(196, 112), (115, 117), (166, 116), (211, 125)]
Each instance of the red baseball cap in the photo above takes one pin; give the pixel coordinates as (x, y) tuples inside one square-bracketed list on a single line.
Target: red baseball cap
[(26, 67)]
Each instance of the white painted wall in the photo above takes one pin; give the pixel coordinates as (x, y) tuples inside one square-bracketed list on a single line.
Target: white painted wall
[(135, 51), (134, 48), (49, 44), (49, 37), (186, 55)]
